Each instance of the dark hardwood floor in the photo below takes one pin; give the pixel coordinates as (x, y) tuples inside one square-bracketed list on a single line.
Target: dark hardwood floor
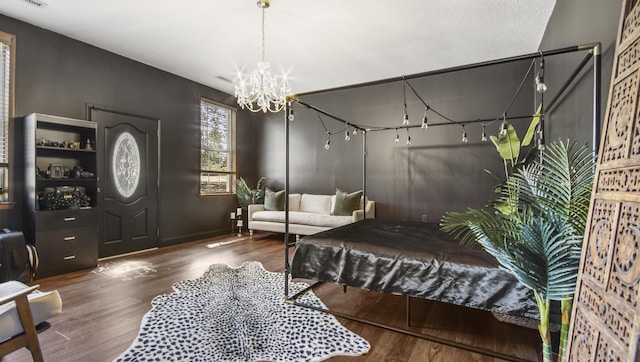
[(103, 307)]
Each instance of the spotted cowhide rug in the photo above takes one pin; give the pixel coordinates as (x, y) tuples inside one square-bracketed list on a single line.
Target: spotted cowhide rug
[(239, 315)]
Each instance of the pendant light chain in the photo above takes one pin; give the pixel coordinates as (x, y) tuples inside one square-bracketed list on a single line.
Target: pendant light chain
[(263, 46)]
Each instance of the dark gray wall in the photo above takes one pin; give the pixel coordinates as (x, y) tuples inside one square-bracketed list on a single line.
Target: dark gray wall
[(59, 76), (438, 173), (576, 22), (435, 174)]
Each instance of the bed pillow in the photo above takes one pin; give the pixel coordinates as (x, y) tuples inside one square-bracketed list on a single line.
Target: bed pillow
[(346, 203), (273, 200)]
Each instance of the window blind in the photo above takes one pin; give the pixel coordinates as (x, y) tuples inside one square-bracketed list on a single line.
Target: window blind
[(217, 148), (5, 72)]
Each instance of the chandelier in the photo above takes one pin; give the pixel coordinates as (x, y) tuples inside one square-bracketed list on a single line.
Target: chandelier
[(262, 93)]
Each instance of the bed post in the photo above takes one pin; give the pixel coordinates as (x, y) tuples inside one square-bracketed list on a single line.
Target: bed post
[(288, 105), (364, 174), (597, 84)]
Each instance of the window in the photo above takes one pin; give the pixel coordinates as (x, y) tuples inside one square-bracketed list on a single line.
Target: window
[(7, 64), (217, 148)]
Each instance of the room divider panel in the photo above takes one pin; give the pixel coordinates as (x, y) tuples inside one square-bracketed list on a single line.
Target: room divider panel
[(605, 321)]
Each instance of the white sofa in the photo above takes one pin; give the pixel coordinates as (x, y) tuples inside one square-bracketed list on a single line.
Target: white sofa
[(308, 214)]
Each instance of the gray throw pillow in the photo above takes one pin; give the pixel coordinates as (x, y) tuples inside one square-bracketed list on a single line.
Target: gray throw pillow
[(274, 200), (346, 203)]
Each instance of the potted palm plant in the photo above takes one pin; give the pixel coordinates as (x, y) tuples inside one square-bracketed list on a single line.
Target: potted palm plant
[(248, 196), (535, 227)]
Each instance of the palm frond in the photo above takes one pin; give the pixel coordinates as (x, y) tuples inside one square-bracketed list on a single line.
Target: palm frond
[(538, 224)]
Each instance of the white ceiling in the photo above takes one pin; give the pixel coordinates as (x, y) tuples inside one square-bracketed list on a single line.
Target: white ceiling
[(319, 44)]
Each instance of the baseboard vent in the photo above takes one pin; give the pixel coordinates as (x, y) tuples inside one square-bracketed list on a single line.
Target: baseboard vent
[(37, 3)]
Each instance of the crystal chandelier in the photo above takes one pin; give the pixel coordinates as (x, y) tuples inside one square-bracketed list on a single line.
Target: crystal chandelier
[(262, 93)]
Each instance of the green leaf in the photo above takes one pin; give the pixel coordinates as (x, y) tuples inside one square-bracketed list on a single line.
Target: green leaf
[(494, 139), (509, 144), (532, 127)]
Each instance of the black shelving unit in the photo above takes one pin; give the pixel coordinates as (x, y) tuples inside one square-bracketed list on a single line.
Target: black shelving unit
[(66, 239)]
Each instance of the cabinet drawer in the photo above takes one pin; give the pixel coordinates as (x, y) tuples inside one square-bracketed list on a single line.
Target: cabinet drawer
[(66, 219), (66, 250), (61, 238)]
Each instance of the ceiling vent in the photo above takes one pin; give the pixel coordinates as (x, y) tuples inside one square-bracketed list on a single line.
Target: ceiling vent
[(37, 3), (224, 79)]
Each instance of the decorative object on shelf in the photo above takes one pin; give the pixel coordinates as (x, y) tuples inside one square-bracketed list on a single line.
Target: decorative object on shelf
[(63, 197), (88, 146), (79, 172), (263, 93), (71, 144), (57, 171), (232, 217)]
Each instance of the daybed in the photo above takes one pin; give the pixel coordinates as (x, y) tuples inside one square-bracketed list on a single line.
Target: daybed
[(414, 259), (308, 214)]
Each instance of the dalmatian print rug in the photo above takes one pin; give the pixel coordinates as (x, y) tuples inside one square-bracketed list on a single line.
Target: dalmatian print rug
[(239, 315)]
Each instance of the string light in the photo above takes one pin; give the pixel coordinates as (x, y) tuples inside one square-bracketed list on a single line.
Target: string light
[(397, 137), (540, 86), (465, 139), (503, 126), (425, 121), (484, 133), (328, 144), (355, 131), (347, 136), (290, 117), (405, 120), (408, 138)]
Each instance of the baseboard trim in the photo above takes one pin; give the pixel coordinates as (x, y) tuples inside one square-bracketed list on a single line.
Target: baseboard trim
[(191, 237), (127, 254)]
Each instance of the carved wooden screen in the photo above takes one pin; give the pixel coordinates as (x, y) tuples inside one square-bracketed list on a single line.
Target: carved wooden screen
[(605, 319)]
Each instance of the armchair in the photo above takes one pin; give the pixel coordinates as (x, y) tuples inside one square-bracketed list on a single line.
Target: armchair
[(23, 311)]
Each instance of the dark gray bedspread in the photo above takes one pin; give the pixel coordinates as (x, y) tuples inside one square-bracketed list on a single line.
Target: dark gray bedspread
[(411, 258)]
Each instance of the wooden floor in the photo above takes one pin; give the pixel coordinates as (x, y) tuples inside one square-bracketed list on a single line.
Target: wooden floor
[(103, 307)]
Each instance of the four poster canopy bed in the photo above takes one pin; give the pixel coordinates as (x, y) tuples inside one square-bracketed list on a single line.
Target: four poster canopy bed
[(417, 259)]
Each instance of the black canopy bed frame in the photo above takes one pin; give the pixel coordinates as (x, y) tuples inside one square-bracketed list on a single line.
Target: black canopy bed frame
[(361, 254)]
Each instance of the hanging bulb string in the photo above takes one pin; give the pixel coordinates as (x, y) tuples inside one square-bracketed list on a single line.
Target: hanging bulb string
[(325, 127), (405, 82), (428, 107), (405, 119), (322, 123), (404, 94)]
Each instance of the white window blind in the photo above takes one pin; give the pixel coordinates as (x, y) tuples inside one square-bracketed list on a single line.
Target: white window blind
[(5, 72), (7, 44), (217, 148)]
